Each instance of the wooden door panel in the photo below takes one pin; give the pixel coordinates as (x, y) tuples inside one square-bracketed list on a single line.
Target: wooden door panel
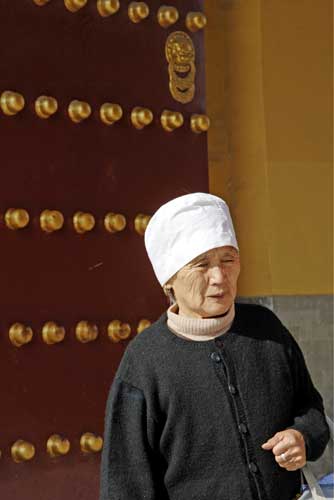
[(65, 276)]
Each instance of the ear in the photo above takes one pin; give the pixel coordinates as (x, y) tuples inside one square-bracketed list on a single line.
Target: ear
[(167, 289)]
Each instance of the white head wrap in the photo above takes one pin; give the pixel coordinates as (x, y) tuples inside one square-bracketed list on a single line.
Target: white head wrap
[(184, 228)]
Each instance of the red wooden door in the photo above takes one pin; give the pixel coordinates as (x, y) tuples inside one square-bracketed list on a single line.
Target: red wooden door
[(52, 272)]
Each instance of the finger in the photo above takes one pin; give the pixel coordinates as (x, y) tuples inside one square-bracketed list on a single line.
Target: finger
[(293, 463), (270, 443), (283, 460), (298, 464), (292, 467), (288, 459), (288, 465), (289, 454), (283, 446)]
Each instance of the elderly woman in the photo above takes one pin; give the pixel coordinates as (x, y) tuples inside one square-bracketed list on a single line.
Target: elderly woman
[(213, 401)]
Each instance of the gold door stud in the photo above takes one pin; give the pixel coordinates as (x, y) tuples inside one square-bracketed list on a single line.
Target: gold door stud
[(114, 222), (143, 323), (86, 331), (16, 218), (51, 220), (195, 21), (107, 7), (141, 117), (171, 120), (83, 222), (199, 123), (11, 102), (90, 443), (118, 331), (74, 5), (140, 223), (20, 334), (22, 451), (40, 3), (45, 106), (138, 11), (110, 113), (57, 446), (167, 16), (79, 110), (52, 333)]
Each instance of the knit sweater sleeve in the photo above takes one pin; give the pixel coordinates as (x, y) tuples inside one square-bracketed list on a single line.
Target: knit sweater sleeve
[(309, 415), (130, 467)]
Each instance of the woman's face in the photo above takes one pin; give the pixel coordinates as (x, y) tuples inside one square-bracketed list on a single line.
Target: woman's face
[(207, 286)]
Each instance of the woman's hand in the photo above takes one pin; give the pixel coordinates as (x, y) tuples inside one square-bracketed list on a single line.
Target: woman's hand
[(291, 444)]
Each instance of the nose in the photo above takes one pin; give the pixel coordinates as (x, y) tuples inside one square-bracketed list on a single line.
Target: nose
[(217, 274)]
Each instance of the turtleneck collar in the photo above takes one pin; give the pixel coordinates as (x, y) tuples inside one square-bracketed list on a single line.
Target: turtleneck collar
[(198, 328)]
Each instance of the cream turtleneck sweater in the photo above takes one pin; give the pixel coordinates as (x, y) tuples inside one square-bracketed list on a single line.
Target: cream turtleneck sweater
[(198, 328)]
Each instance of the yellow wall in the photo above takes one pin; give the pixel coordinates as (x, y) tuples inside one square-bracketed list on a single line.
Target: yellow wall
[(269, 97)]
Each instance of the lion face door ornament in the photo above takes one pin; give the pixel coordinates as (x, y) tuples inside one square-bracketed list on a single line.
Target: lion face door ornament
[(180, 54)]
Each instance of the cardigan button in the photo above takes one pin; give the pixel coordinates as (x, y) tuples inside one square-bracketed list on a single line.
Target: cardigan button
[(232, 389), (243, 428), (215, 357), (253, 467)]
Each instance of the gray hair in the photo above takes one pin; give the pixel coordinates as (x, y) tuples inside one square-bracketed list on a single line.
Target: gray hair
[(169, 292)]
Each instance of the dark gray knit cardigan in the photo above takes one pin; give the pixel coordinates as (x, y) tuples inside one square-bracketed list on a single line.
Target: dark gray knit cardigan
[(185, 419)]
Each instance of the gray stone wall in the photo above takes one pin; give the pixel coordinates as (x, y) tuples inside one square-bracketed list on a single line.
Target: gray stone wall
[(310, 320)]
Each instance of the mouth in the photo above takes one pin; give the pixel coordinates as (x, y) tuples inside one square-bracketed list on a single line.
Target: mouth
[(217, 295)]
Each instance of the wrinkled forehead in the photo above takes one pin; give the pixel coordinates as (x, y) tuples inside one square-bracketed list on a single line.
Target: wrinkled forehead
[(223, 250)]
